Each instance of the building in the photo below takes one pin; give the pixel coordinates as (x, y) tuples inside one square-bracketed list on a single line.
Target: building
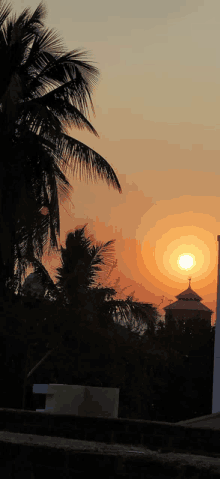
[(188, 306)]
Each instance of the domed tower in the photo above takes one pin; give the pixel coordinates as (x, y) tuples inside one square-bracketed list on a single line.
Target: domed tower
[(188, 306)]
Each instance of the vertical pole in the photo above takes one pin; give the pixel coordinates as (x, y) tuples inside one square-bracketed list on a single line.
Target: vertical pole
[(216, 372), (25, 378)]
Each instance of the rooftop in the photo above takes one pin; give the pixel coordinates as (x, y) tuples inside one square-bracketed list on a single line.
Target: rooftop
[(188, 299)]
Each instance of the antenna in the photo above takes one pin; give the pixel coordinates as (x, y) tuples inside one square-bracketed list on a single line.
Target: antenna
[(161, 301)]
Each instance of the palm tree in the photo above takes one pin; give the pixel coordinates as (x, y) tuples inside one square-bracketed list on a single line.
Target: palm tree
[(79, 287), (81, 261), (44, 90), (79, 291)]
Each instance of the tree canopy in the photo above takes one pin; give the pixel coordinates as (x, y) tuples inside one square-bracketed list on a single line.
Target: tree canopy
[(44, 90)]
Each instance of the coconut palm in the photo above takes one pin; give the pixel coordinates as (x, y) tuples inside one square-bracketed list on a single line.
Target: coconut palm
[(78, 280), (81, 261), (78, 290), (44, 90)]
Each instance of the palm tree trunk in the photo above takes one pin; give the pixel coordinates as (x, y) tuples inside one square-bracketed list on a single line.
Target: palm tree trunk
[(32, 370), (41, 361)]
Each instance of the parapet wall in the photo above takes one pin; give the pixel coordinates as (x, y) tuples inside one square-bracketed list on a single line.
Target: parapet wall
[(154, 435), (33, 443), (31, 457)]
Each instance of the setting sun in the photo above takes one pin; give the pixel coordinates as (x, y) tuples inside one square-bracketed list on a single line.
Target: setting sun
[(185, 261)]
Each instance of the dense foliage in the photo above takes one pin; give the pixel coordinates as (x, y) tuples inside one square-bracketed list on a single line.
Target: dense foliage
[(165, 375)]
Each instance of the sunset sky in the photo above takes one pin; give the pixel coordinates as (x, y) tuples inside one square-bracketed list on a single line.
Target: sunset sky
[(157, 106)]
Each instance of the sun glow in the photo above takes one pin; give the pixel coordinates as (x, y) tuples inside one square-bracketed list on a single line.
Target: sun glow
[(185, 261), (168, 239), (171, 260)]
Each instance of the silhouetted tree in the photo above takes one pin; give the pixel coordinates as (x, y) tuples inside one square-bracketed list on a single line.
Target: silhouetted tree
[(44, 91), (88, 311)]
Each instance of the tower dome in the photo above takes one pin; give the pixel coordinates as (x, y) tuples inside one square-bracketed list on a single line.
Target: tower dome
[(188, 306)]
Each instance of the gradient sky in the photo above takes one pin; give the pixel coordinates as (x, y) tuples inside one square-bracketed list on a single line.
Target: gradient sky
[(157, 108)]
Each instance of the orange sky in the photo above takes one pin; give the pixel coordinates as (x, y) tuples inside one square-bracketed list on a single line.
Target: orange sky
[(157, 108)]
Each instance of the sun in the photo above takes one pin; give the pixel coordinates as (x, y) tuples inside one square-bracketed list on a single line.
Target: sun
[(185, 261)]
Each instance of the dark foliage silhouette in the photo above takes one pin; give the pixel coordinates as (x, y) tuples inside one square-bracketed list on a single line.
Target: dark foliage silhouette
[(44, 91)]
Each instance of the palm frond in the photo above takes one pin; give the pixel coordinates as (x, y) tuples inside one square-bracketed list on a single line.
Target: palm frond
[(38, 15), (77, 238), (125, 309), (39, 120), (4, 12), (78, 156), (44, 275), (81, 260), (65, 68), (103, 256), (101, 294), (16, 31), (16, 35), (56, 110), (63, 185), (49, 41), (54, 212), (27, 25), (43, 182), (76, 246)]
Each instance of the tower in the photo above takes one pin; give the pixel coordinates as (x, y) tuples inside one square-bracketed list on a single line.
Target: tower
[(188, 306)]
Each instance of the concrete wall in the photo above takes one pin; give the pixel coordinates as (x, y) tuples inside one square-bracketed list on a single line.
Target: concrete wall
[(18, 456), (32, 457), (112, 430), (79, 400)]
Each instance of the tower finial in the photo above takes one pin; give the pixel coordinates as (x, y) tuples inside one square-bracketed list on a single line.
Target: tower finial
[(189, 282)]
